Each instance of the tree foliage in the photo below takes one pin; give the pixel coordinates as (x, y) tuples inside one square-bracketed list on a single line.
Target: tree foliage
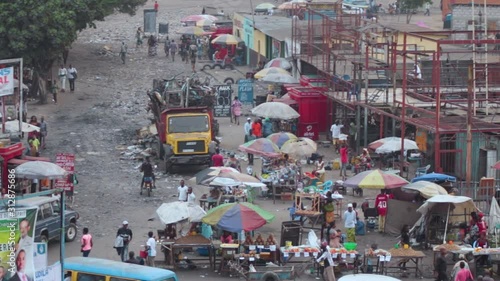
[(410, 6), (40, 30)]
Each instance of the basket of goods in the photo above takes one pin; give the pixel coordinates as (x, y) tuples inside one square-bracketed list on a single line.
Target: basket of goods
[(405, 252), (248, 241), (259, 241), (448, 246), (270, 240)]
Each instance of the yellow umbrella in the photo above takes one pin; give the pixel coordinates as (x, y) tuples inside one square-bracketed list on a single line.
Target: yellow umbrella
[(192, 30), (227, 39), (270, 70), (204, 22)]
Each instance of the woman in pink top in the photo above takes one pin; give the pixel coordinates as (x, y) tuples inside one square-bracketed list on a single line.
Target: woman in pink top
[(236, 110), (464, 274), (86, 242)]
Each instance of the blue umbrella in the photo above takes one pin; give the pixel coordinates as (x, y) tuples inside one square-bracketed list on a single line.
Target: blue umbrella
[(435, 177)]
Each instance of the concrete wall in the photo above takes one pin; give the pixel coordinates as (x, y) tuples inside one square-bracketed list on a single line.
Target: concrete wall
[(463, 13)]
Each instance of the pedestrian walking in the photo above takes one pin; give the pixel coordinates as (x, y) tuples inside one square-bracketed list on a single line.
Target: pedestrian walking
[(124, 234), (53, 90), (166, 47), (350, 223), (156, 6), (87, 242), (236, 111), (440, 266), (344, 161), (327, 259), (217, 159), (182, 192), (138, 37), (151, 245), (427, 9), (173, 49), (381, 205), (123, 52), (72, 75), (247, 127), (43, 132), (63, 72), (192, 56)]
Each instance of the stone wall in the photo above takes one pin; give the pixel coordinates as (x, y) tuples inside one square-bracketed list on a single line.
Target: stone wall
[(463, 13)]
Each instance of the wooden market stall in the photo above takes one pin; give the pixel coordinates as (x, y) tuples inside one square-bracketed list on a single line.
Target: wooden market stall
[(194, 242)]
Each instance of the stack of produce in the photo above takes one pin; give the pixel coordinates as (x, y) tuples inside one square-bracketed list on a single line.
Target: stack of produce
[(259, 241), (270, 240)]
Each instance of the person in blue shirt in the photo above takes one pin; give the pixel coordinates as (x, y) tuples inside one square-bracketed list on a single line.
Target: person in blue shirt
[(267, 127)]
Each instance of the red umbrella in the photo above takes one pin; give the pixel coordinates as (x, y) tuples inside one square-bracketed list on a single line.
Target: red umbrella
[(496, 166), (196, 18)]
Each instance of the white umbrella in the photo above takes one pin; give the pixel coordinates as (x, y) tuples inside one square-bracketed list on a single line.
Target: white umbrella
[(40, 170), (279, 62), (494, 216), (392, 144), (177, 211), (299, 148), (426, 188), (276, 110), (219, 181), (460, 204), (13, 126), (279, 78)]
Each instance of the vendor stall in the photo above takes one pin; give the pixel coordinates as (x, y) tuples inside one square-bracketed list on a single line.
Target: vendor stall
[(199, 243), (406, 258)]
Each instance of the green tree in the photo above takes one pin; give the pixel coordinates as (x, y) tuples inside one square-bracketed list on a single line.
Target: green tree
[(39, 31), (410, 7)]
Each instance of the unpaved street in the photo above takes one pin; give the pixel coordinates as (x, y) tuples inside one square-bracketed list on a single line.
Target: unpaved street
[(100, 120)]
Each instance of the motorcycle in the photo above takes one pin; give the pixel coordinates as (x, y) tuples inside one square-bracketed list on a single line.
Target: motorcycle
[(148, 185)]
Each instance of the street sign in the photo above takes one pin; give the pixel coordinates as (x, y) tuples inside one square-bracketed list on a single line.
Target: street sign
[(245, 91), (222, 107)]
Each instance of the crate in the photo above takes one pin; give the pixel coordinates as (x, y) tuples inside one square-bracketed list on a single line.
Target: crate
[(287, 196)]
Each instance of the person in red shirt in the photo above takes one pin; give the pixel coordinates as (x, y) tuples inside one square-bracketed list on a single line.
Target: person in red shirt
[(257, 128), (217, 159), (481, 224), (156, 6), (381, 205), (344, 161)]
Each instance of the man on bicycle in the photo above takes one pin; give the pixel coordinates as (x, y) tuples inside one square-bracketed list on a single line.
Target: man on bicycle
[(148, 175)]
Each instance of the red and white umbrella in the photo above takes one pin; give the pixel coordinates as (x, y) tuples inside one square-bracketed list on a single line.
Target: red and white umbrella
[(392, 144), (196, 18), (279, 62)]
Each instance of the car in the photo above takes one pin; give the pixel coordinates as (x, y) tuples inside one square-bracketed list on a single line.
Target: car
[(48, 219)]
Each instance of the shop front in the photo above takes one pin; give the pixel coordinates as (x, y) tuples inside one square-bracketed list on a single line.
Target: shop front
[(313, 108)]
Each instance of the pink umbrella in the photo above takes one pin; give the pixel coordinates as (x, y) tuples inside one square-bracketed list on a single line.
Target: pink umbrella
[(196, 18), (421, 24)]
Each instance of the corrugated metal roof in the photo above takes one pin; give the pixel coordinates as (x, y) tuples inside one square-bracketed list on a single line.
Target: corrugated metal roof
[(278, 27)]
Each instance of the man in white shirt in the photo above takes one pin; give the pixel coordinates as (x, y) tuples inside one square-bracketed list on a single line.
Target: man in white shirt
[(191, 198), (350, 223), (247, 127), (151, 245), (63, 72), (335, 129), (183, 192)]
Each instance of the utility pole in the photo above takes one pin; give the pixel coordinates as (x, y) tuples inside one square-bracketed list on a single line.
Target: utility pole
[(470, 92)]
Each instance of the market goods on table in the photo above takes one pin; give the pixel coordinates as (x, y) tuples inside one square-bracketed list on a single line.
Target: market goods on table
[(301, 249), (375, 253), (401, 252), (307, 213), (487, 251), (448, 247), (343, 251), (192, 239)]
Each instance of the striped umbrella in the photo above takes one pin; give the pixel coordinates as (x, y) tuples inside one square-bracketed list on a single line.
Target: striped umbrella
[(280, 138), (375, 179), (235, 217), (279, 62), (262, 146), (270, 70), (227, 39), (193, 30), (195, 18)]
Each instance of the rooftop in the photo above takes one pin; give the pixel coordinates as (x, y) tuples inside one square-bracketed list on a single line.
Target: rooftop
[(278, 27)]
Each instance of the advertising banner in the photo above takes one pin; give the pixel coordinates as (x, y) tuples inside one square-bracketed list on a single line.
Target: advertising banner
[(67, 162), (6, 81), (40, 257), (17, 228), (222, 107), (49, 273), (245, 91)]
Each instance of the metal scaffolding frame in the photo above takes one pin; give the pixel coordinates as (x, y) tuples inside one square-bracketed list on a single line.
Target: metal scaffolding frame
[(371, 67)]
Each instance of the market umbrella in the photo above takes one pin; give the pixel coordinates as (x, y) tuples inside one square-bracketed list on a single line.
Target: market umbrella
[(195, 18), (435, 177), (13, 126), (264, 7), (496, 166), (192, 30), (278, 62), (204, 22), (262, 146), (206, 175), (280, 138), (299, 148), (426, 188), (177, 211), (235, 217), (276, 110), (375, 179), (239, 177), (270, 70), (392, 144), (218, 181), (457, 204), (279, 78), (294, 4), (40, 170), (227, 39)]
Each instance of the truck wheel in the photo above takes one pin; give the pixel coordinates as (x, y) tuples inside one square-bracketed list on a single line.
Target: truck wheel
[(270, 276), (206, 67), (71, 232), (229, 66), (217, 65), (229, 80)]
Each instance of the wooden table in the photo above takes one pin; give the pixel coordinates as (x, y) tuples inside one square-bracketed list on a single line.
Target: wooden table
[(208, 203), (416, 260)]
